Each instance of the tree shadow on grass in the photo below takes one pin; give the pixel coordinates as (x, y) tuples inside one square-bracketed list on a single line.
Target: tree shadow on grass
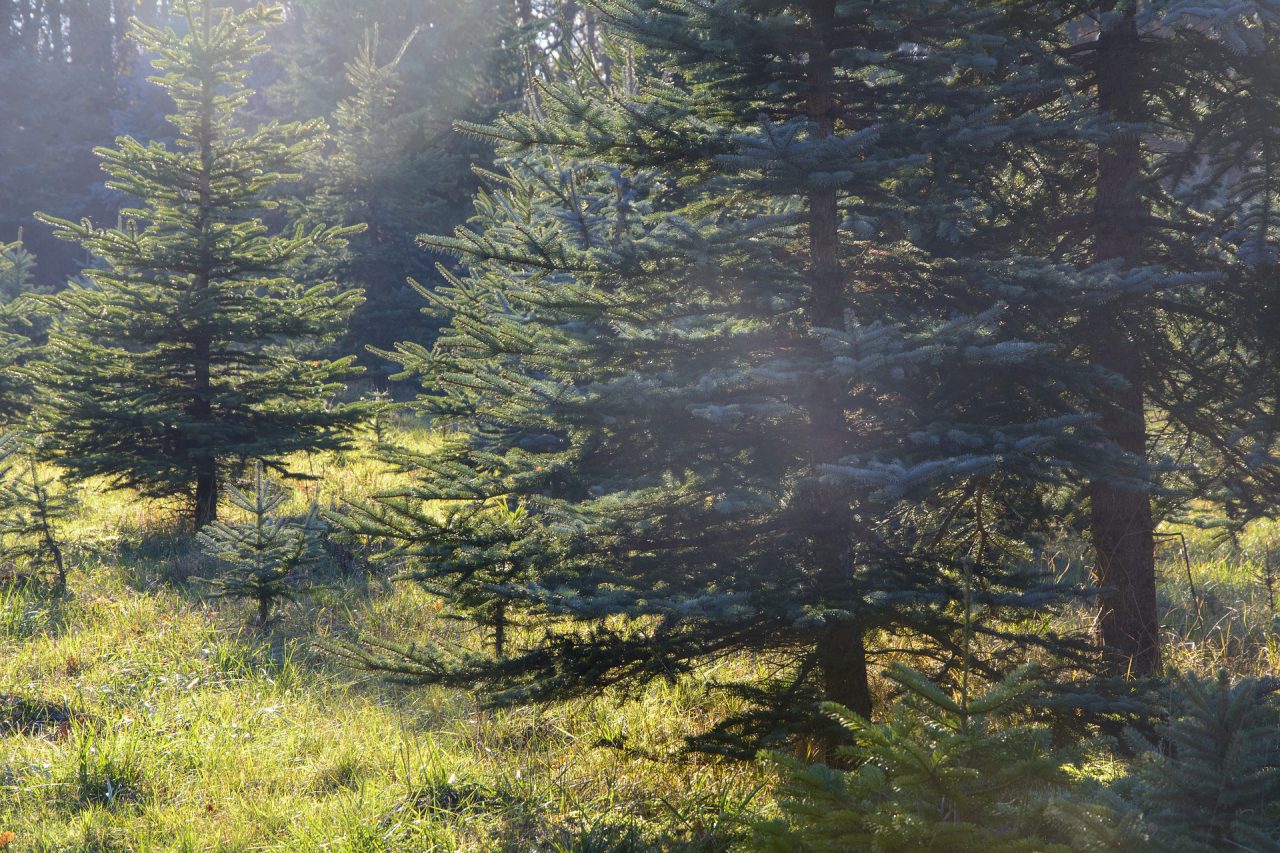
[(23, 715), (162, 558), (29, 608)]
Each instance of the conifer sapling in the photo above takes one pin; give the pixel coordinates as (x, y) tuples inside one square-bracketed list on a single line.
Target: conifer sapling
[(197, 342), (267, 554), (32, 509)]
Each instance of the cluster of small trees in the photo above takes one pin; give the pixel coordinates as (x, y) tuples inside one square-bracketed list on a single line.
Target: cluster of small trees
[(786, 328), (196, 342), (803, 328), (75, 80), (200, 337)]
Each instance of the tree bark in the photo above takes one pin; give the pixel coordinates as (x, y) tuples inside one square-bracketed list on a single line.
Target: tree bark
[(90, 38), (206, 501), (29, 29), (841, 649), (842, 659), (57, 44), (1120, 517), (206, 466)]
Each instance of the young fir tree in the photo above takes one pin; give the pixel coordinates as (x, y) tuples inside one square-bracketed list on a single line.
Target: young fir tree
[(266, 555), (17, 270), (17, 267), (946, 772), (1213, 783), (32, 509), (725, 342), (1206, 779), (172, 364)]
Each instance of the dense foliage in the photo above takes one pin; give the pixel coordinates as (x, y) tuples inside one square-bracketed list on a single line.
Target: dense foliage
[(939, 775), (751, 385), (825, 374), (193, 346)]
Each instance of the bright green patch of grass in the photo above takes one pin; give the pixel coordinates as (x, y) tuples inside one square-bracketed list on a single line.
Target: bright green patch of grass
[(145, 717), (188, 731), (1222, 599)]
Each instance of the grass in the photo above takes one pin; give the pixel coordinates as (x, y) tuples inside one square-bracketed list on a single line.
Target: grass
[(183, 730), (1230, 619), (152, 719)]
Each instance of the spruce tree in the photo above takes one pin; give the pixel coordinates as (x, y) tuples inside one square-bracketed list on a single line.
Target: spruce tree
[(33, 508), (946, 772), (17, 267), (1213, 782), (1207, 777), (266, 554), (17, 270), (1167, 185), (187, 351), (725, 343)]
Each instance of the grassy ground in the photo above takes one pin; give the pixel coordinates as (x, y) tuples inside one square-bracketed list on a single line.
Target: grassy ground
[(1220, 600), (137, 715), (152, 719)]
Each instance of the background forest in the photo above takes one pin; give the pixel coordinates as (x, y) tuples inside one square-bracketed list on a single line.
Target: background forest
[(639, 424)]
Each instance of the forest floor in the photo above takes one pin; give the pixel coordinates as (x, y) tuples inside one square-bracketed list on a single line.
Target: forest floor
[(138, 714)]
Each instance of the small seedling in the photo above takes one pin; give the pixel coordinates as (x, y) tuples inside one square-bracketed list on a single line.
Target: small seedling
[(31, 510), (267, 554)]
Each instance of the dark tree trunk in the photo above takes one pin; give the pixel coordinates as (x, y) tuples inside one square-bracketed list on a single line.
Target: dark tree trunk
[(842, 659), (29, 31), (57, 44), (10, 26), (121, 14), (841, 652), (500, 631), (206, 503), (1120, 517), (91, 39), (206, 498)]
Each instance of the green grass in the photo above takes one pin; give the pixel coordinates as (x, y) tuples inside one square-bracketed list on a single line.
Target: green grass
[(190, 732), (153, 719), (1231, 620)]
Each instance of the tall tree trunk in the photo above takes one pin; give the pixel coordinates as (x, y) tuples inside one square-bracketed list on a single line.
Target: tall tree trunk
[(10, 26), (29, 31), (206, 498), (841, 651), (147, 11), (122, 11), (57, 44), (1120, 517), (92, 41), (206, 501)]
